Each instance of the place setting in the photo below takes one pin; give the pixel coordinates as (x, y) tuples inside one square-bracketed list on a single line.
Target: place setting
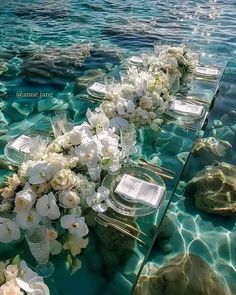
[(186, 112)]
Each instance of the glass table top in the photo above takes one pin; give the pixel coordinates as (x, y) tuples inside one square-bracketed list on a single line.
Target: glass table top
[(112, 262)]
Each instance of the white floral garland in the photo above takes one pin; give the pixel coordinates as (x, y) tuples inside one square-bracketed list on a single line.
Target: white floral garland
[(49, 187)]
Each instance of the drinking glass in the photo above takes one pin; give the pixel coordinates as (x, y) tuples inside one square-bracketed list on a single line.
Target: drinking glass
[(57, 126), (68, 126), (115, 165), (124, 78), (109, 83), (58, 122), (37, 239), (94, 171), (127, 135)]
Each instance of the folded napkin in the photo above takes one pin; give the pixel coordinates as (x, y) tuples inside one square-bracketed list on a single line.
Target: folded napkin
[(23, 143), (207, 72), (187, 108), (98, 88), (141, 191)]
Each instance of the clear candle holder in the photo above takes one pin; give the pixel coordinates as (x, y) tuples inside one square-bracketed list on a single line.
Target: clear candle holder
[(37, 239)]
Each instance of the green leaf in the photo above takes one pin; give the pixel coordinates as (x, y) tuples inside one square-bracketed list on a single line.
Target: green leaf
[(76, 266), (69, 259), (73, 263), (16, 260)]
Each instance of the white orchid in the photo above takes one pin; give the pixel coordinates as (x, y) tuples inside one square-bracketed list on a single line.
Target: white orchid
[(87, 152), (98, 201), (46, 206), (40, 172), (99, 121), (107, 143), (80, 133), (75, 224), (9, 230), (25, 219), (125, 106)]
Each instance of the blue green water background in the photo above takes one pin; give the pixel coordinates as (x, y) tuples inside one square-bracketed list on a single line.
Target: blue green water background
[(55, 31)]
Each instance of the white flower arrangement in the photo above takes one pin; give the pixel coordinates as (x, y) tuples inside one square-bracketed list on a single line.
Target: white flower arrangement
[(16, 278), (49, 189), (143, 95)]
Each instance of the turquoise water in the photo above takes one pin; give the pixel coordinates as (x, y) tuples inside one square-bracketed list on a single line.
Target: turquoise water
[(52, 49)]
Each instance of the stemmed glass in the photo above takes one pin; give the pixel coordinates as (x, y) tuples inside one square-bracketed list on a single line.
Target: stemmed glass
[(127, 135), (37, 239)]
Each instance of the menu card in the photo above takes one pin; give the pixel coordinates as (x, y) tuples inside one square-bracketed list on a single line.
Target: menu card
[(23, 143), (141, 191), (207, 72), (98, 88), (187, 108)]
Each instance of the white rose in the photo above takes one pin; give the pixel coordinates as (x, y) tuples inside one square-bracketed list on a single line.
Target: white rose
[(63, 179), (8, 193), (14, 181), (55, 147), (24, 169), (25, 200), (145, 103), (10, 288), (69, 199), (57, 160), (63, 141), (72, 162), (42, 188), (11, 272), (109, 108)]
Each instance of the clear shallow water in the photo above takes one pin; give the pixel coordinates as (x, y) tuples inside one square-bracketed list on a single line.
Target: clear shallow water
[(48, 45)]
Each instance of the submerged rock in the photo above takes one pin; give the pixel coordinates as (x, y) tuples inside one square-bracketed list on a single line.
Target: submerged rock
[(89, 77), (49, 62), (186, 274), (211, 148), (214, 189)]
